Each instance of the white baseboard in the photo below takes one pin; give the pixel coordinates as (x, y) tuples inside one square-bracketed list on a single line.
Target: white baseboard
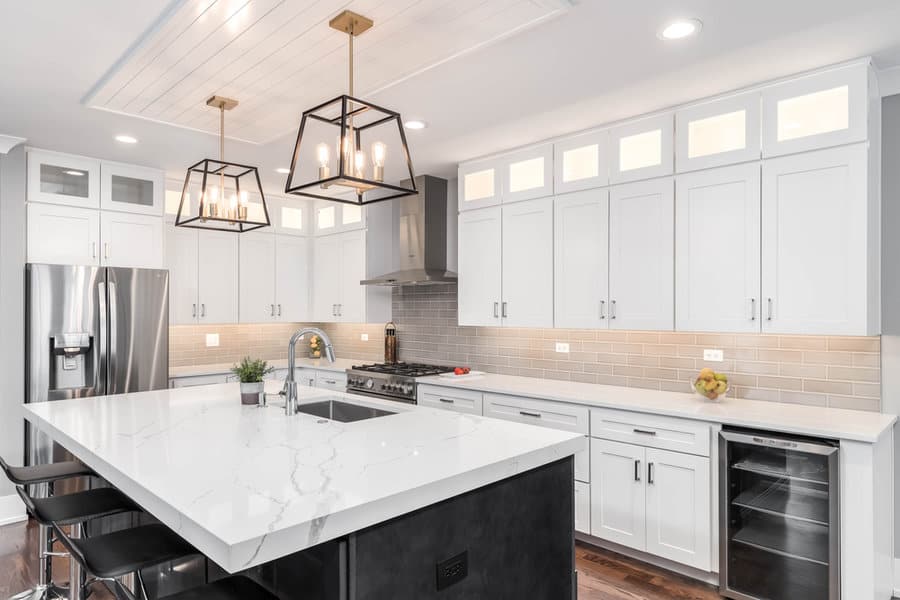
[(896, 577), (11, 509)]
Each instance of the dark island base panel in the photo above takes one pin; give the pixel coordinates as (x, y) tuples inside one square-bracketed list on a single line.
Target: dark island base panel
[(507, 541)]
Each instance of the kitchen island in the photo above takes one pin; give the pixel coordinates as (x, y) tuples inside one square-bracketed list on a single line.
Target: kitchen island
[(398, 505)]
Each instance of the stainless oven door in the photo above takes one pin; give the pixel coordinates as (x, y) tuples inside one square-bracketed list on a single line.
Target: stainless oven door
[(367, 394)]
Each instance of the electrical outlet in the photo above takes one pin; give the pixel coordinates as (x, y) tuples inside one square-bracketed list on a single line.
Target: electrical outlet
[(562, 347), (364, 337), (452, 570), (713, 355), (212, 340)]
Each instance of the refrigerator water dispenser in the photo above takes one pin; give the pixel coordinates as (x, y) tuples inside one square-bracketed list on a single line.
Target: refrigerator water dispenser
[(72, 361)]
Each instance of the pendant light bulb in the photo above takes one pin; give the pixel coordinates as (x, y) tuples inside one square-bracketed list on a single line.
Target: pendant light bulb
[(322, 152), (378, 153), (360, 164)]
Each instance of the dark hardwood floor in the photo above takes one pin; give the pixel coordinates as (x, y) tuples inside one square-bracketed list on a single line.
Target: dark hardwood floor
[(602, 575)]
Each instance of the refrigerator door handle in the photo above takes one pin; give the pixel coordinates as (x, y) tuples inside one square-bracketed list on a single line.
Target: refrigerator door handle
[(102, 315), (113, 337)]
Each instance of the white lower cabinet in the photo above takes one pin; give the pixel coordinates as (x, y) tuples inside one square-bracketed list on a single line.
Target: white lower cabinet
[(59, 234), (618, 505), (582, 507), (464, 401), (641, 255)]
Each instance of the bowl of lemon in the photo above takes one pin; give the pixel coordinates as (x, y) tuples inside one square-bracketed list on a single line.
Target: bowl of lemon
[(711, 385)]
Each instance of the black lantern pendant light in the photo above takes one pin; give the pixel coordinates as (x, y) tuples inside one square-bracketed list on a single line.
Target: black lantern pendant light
[(222, 195), (349, 150)]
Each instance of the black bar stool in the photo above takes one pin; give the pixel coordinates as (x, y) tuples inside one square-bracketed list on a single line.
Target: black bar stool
[(37, 475), (110, 556), (231, 588)]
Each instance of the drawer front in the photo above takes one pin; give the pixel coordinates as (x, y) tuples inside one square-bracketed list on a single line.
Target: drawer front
[(331, 380), (464, 401), (667, 433), (544, 413), (582, 507), (182, 382)]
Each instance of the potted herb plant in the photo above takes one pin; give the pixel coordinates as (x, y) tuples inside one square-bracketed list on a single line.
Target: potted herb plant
[(250, 373)]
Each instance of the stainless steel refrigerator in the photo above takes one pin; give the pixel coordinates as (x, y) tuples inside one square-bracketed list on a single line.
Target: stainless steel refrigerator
[(92, 331)]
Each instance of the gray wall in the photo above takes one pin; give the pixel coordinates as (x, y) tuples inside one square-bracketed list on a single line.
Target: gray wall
[(12, 307), (890, 282)]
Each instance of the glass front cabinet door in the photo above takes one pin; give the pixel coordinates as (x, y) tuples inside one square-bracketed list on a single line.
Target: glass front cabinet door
[(642, 149), (528, 174), (479, 184), (581, 162), (133, 189), (823, 109), (717, 133), (63, 179)]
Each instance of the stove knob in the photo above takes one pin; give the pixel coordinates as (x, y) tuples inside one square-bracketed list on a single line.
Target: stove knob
[(407, 389), (370, 383)]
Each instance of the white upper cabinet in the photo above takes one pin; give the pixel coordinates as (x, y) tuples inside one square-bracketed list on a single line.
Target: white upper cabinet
[(642, 149), (717, 215), (352, 307), (326, 280), (641, 255), (63, 179), (479, 184), (130, 240), (289, 216), (292, 278), (528, 264), (62, 235), (336, 217), (257, 277), (581, 162), (218, 263), (528, 174), (823, 109), (717, 133), (132, 189), (480, 267), (339, 263), (820, 244), (182, 246), (581, 284)]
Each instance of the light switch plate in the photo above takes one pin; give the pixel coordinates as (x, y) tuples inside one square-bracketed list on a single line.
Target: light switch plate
[(713, 355), (212, 340), (364, 337), (562, 347)]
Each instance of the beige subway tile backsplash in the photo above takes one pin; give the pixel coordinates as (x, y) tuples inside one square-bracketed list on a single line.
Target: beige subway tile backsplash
[(833, 371)]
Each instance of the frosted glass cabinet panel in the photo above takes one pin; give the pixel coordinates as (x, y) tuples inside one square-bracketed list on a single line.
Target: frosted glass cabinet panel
[(528, 174), (63, 179), (717, 133), (132, 189), (289, 216), (581, 162), (642, 149), (479, 185), (820, 110)]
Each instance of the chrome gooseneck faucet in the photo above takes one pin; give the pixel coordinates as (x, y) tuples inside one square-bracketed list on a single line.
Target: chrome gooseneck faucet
[(290, 384)]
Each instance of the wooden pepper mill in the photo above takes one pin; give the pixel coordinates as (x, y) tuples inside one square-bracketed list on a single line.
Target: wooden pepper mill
[(390, 343)]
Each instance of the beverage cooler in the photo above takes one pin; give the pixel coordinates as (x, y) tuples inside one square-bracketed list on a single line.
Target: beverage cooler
[(779, 517)]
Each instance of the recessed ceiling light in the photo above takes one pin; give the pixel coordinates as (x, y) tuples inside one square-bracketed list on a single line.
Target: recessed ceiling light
[(75, 173), (681, 28), (126, 139), (282, 170), (415, 124)]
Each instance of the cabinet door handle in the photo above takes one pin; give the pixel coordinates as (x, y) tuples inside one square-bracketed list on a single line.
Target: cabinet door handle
[(769, 304), (202, 310), (602, 309), (650, 473), (194, 310), (446, 400), (106, 250), (644, 431), (525, 413), (503, 312), (93, 249), (271, 310), (334, 310), (496, 310), (279, 310), (752, 309), (612, 309), (637, 469)]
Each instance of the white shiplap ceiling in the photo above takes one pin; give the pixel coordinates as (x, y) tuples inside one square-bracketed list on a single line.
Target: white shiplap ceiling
[(280, 57)]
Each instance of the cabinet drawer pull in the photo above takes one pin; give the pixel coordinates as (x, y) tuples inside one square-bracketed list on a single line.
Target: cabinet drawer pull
[(446, 400), (644, 431), (637, 469), (650, 473), (330, 381), (525, 413)]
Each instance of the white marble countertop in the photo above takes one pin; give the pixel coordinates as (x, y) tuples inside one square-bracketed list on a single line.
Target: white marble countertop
[(246, 485), (836, 423), (340, 364)]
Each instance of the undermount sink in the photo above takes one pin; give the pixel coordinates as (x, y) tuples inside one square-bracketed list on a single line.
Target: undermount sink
[(343, 412)]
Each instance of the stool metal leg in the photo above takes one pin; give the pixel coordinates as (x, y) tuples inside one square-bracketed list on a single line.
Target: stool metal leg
[(42, 590), (75, 587)]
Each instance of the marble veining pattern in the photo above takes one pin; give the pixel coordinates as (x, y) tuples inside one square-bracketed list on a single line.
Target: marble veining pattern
[(246, 485)]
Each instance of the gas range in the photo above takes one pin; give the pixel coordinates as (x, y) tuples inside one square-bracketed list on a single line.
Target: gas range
[(393, 381)]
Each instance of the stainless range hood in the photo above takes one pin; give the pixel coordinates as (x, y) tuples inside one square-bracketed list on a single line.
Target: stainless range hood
[(421, 228)]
